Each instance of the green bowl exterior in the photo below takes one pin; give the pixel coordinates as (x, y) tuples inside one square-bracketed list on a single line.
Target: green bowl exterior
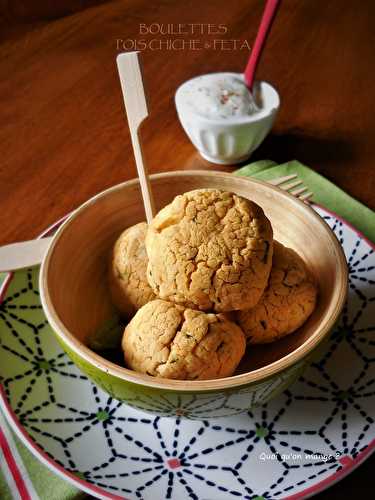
[(191, 404)]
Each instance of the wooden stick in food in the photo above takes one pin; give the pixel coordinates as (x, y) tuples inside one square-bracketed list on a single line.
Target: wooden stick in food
[(130, 73)]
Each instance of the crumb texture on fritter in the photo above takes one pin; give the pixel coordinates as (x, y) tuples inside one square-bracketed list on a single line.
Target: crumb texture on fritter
[(287, 302), (210, 250), (128, 282), (167, 340)]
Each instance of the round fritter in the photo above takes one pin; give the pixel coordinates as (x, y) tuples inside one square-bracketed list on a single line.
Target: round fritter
[(166, 340), (287, 302), (129, 287), (210, 250)]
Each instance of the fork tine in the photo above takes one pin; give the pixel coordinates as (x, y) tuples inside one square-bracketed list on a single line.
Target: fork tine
[(290, 185), (306, 196), (281, 180), (298, 192)]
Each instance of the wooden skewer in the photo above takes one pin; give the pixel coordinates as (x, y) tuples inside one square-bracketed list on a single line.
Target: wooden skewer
[(130, 72)]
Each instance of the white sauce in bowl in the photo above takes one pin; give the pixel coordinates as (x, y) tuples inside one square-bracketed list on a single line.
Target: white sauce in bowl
[(219, 96)]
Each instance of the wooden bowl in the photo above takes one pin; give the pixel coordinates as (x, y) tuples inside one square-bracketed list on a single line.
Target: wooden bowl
[(76, 301)]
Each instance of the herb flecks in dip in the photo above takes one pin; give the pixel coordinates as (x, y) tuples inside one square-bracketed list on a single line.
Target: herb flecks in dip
[(219, 96)]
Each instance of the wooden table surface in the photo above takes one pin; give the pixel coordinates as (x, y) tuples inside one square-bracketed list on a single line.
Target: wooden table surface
[(63, 134)]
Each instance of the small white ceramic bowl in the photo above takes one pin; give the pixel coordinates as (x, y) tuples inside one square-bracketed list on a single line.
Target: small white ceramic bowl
[(232, 139)]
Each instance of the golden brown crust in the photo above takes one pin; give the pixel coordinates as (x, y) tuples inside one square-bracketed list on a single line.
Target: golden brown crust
[(210, 250), (166, 340), (128, 283), (287, 302)]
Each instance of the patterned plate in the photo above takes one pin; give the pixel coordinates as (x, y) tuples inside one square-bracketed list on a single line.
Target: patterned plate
[(296, 445)]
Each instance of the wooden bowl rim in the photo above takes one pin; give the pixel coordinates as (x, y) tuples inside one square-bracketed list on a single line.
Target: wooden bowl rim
[(233, 382)]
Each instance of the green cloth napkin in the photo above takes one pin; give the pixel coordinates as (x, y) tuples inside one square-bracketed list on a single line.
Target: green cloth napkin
[(46, 484), (325, 192), (39, 480)]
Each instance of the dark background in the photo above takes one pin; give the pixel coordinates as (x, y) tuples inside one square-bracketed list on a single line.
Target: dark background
[(63, 136)]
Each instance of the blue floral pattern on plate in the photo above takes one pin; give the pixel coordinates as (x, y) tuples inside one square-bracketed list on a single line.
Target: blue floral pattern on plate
[(316, 430)]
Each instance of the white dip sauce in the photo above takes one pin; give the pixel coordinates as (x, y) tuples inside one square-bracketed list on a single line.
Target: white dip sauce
[(219, 96)]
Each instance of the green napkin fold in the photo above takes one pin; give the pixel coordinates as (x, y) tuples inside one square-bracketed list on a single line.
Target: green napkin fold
[(40, 482), (325, 192)]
